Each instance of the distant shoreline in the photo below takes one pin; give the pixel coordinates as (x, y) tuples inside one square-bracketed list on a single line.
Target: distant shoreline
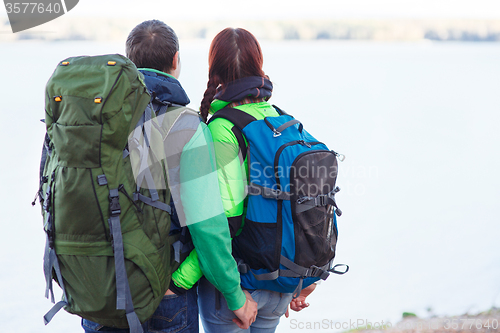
[(104, 29)]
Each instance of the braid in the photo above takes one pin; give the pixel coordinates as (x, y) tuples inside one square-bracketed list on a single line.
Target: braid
[(208, 98)]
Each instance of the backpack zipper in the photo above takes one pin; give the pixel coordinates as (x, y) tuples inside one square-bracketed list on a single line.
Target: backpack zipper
[(341, 157), (280, 150), (302, 142)]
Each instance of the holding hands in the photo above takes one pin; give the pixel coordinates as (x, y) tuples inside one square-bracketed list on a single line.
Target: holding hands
[(247, 313)]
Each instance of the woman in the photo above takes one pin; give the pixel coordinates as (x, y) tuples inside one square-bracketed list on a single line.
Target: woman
[(236, 80)]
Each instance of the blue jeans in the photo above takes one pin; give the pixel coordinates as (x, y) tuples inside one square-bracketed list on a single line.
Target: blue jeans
[(174, 314), (272, 305)]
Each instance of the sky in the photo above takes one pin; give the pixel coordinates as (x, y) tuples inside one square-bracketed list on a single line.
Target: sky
[(291, 9)]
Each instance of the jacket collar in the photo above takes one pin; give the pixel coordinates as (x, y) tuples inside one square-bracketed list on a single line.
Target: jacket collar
[(164, 86)]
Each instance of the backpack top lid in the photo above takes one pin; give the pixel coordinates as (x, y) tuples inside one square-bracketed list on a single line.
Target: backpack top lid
[(91, 106)]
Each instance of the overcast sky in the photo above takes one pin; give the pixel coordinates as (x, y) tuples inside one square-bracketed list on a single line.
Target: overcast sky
[(281, 9)]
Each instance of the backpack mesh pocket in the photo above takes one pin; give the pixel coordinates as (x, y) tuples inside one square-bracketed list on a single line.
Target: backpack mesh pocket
[(313, 175), (259, 245)]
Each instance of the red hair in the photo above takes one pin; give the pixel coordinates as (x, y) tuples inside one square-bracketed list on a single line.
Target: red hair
[(234, 54)]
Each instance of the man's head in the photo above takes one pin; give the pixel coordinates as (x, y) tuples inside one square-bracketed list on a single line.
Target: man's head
[(153, 44)]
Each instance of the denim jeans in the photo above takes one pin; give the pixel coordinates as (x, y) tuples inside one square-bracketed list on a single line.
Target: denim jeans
[(272, 305), (174, 314)]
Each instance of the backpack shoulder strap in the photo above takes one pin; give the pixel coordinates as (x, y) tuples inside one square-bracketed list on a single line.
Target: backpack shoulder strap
[(241, 142), (240, 120), (281, 112)]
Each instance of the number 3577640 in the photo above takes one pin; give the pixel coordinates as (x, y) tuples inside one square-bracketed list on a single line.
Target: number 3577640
[(470, 323), (32, 7)]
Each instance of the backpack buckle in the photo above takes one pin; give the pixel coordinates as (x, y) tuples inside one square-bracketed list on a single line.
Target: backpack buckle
[(270, 193), (275, 192), (302, 200), (321, 200), (114, 206), (314, 271), (242, 267)]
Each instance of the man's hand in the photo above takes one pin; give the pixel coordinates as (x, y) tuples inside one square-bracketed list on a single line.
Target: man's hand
[(247, 313), (299, 303)]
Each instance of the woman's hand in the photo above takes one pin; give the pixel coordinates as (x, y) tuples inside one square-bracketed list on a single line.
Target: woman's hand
[(169, 292), (299, 303)]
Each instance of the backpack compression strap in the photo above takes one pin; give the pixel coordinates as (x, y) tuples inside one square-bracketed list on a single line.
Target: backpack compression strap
[(306, 203), (50, 262), (160, 113), (123, 295), (295, 271), (143, 128), (145, 174)]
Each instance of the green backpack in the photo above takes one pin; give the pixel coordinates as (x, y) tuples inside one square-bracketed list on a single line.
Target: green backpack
[(107, 225)]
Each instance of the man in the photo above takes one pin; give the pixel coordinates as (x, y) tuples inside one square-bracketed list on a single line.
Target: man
[(154, 48)]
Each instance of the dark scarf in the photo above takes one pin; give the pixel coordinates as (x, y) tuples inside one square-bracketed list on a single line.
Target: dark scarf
[(252, 86)]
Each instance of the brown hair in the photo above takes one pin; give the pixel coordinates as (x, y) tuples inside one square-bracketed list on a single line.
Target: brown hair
[(152, 44), (234, 54)]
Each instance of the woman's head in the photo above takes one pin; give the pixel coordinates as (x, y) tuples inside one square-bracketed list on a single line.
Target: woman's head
[(234, 54)]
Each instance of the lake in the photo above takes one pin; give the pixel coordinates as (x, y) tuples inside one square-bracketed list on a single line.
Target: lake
[(418, 122)]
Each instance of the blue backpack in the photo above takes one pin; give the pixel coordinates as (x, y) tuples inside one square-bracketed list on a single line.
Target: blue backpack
[(290, 231)]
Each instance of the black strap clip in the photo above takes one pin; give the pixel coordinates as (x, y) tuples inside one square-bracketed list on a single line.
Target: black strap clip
[(114, 202), (115, 206)]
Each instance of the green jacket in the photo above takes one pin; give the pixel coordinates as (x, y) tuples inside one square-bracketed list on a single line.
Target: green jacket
[(193, 183), (190, 166), (231, 172), (231, 177)]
